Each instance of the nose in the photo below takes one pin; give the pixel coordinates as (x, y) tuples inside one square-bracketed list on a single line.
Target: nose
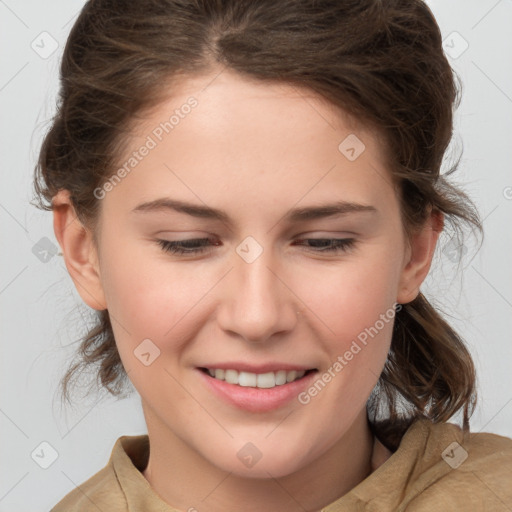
[(256, 302)]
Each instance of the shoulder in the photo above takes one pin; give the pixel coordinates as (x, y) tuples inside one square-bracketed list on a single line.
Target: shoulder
[(471, 470), (103, 490), (99, 492)]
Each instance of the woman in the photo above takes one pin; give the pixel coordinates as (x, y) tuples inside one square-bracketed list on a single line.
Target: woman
[(249, 194)]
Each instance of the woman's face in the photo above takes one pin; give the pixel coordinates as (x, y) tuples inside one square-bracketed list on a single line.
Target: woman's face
[(302, 261)]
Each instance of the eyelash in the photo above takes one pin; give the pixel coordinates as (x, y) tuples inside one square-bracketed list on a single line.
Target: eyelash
[(179, 246)]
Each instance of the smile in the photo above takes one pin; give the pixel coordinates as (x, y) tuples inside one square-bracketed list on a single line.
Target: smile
[(256, 380)]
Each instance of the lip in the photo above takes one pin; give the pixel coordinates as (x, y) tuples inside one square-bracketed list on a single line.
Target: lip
[(257, 399), (240, 366)]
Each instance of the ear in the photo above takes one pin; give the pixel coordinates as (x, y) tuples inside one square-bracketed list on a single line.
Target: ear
[(419, 258), (79, 251)]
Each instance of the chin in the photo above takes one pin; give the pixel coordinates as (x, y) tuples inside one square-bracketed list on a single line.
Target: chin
[(251, 462)]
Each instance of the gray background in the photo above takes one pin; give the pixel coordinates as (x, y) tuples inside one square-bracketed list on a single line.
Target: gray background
[(42, 316)]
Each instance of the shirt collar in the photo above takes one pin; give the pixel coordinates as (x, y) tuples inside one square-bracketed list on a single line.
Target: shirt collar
[(409, 470)]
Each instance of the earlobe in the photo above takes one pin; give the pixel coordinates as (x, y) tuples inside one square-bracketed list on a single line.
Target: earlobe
[(422, 247), (79, 251)]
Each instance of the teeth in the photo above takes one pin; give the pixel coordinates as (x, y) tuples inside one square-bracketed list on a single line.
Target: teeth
[(231, 376), (266, 380), (247, 379), (256, 380), (291, 376), (280, 377)]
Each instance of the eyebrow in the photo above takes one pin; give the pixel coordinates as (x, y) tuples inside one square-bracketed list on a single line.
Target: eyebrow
[(293, 215)]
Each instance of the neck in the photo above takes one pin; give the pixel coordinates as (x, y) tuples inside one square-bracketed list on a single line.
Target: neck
[(185, 480)]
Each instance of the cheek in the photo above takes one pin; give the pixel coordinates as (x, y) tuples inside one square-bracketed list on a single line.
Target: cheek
[(351, 295), (354, 302), (148, 297)]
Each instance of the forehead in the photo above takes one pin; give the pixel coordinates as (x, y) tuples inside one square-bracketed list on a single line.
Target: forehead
[(236, 99), (223, 136)]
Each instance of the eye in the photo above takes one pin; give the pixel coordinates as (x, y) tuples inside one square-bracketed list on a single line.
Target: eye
[(202, 245), (328, 244), (191, 246)]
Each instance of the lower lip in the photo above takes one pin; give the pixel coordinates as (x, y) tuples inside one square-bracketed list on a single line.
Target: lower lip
[(257, 399)]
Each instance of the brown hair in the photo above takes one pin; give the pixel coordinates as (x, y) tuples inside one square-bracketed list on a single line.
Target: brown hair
[(381, 61)]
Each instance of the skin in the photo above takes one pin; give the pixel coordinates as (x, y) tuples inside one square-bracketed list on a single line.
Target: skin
[(254, 150)]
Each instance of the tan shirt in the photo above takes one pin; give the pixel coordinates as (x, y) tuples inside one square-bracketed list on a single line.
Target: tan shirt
[(434, 469)]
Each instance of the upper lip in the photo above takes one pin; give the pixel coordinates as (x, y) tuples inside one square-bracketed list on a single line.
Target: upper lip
[(256, 368)]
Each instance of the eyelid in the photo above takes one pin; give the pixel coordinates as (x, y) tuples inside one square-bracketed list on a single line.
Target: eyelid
[(200, 246), (319, 233), (185, 234), (176, 246)]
